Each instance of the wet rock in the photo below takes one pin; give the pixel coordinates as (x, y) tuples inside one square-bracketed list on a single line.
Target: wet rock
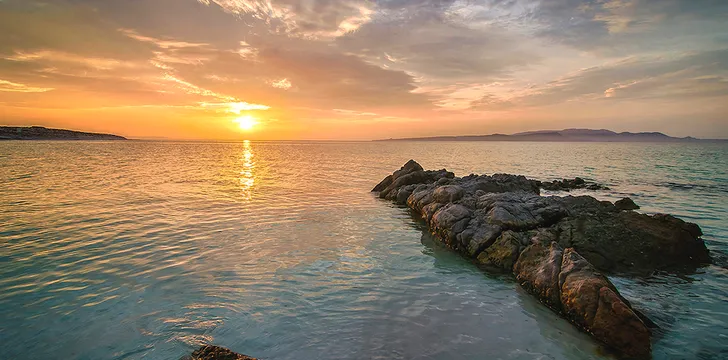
[(612, 239), (210, 352), (629, 242), (448, 193), (383, 184), (403, 194), (520, 210), (445, 219), (483, 236), (410, 173), (537, 270), (586, 205), (410, 178), (504, 251), (571, 184), (502, 221), (498, 183), (590, 300), (626, 204)]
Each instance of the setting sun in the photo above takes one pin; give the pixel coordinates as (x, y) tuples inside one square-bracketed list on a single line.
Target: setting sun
[(246, 122)]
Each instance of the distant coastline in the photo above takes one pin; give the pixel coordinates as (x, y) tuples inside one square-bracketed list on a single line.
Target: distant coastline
[(42, 133), (566, 135)]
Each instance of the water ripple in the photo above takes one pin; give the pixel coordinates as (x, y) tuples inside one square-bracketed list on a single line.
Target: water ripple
[(145, 250)]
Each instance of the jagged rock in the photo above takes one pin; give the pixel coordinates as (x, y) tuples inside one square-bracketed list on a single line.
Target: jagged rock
[(586, 205), (448, 193), (407, 168), (478, 236), (504, 251), (537, 270), (450, 220), (571, 184), (627, 241), (611, 239), (591, 301), (625, 204), (210, 352), (498, 183), (503, 222), (519, 210)]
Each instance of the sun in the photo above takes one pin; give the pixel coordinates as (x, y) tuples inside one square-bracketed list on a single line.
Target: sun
[(246, 122)]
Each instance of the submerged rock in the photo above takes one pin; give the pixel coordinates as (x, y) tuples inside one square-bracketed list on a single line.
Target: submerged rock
[(555, 246), (210, 352), (572, 184)]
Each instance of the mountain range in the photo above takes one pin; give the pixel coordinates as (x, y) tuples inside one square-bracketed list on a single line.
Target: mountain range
[(601, 135)]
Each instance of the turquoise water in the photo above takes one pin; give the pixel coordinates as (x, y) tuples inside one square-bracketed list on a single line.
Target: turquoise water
[(131, 250)]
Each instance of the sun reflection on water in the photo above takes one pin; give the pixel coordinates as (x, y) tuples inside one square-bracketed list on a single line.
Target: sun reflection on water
[(247, 178)]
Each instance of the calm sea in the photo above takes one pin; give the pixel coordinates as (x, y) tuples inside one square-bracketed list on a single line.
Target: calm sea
[(131, 250)]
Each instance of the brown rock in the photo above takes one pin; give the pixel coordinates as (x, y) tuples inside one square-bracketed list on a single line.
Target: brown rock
[(590, 300), (210, 352), (537, 270), (617, 325), (504, 252)]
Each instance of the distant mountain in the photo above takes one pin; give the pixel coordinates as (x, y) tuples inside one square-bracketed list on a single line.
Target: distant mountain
[(41, 133), (564, 135)]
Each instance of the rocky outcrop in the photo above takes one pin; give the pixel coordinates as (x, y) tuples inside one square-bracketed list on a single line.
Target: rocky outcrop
[(591, 301), (555, 246), (630, 242), (210, 352), (572, 184), (626, 204)]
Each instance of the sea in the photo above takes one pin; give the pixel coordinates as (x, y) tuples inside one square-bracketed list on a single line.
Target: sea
[(278, 250)]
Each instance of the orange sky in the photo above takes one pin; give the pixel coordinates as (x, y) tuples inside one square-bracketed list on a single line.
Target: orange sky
[(350, 69)]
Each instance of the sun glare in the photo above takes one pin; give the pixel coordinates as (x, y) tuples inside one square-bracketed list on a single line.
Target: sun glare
[(246, 122)]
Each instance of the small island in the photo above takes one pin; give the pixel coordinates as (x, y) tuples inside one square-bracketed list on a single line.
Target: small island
[(42, 133)]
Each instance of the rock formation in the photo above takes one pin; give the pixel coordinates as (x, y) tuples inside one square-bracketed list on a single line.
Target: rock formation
[(555, 246), (571, 184), (210, 352), (626, 204)]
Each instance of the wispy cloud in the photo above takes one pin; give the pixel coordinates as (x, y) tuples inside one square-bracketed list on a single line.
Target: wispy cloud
[(304, 18), (284, 84), (235, 107), (10, 86)]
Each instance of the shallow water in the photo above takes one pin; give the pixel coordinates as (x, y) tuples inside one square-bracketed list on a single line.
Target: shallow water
[(130, 250)]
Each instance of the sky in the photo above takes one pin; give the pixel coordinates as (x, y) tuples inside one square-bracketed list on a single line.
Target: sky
[(357, 70)]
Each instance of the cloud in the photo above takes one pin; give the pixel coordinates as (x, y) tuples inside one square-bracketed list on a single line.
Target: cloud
[(623, 26), (437, 44), (306, 18), (696, 75), (284, 84), (48, 26), (322, 78), (10, 86), (235, 107)]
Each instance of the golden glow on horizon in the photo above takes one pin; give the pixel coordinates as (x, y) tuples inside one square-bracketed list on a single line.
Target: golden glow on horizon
[(246, 123)]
